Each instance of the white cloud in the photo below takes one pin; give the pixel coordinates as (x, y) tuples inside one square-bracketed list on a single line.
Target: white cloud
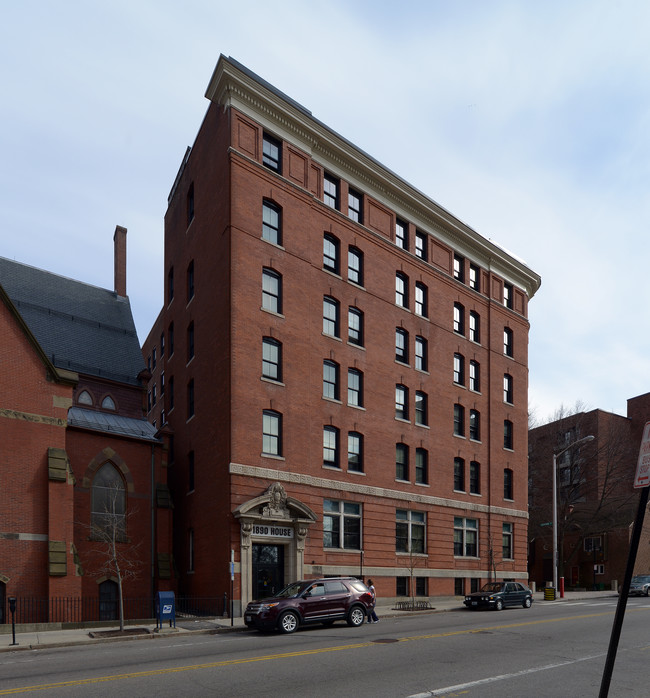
[(528, 121)]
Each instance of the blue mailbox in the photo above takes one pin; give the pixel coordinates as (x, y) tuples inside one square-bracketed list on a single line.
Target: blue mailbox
[(165, 608)]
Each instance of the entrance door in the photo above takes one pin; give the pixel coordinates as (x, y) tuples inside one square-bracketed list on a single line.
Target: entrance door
[(268, 569)]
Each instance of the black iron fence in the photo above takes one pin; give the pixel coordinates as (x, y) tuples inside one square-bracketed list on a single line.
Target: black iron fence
[(88, 610)]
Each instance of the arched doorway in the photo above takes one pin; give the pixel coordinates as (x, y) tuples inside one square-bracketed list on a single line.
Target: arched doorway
[(273, 532)]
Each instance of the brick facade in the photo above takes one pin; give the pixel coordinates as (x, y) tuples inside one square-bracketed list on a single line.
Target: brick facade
[(48, 459), (214, 260)]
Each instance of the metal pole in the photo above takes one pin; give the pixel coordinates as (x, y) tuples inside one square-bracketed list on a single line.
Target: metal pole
[(554, 521), (624, 593)]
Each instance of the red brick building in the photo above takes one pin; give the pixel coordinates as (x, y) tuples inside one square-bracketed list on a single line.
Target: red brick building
[(72, 431), (341, 365), (597, 502)]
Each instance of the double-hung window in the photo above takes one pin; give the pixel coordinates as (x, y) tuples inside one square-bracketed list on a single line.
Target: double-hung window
[(401, 345), (508, 345), (507, 388), (271, 359), (507, 483), (421, 301), (355, 266), (331, 317), (507, 434), (465, 537), (459, 268), (272, 153), (401, 290), (401, 402), (475, 425), (271, 291), (355, 211), (355, 387), (474, 477), (459, 319), (355, 452), (331, 253), (331, 191), (410, 531), (401, 234), (331, 446), (271, 231), (421, 359), (507, 537), (459, 369), (421, 410), (401, 462), (330, 380), (341, 525), (459, 420), (507, 295), (355, 327), (459, 474), (474, 376), (474, 327), (474, 277), (421, 466), (272, 433), (421, 245)]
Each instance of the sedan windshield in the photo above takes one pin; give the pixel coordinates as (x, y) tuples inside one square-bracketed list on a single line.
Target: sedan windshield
[(641, 580), (492, 587)]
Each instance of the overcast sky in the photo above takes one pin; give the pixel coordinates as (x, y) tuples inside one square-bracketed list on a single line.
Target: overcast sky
[(529, 121)]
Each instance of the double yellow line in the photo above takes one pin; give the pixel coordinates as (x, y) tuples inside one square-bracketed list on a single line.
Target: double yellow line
[(285, 655)]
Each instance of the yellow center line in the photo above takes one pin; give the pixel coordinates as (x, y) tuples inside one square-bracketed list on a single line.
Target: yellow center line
[(288, 655)]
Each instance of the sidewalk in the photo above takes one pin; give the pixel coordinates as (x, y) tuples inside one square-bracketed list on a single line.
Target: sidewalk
[(29, 639)]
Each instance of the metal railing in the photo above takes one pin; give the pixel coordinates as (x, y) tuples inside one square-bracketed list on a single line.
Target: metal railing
[(88, 610)]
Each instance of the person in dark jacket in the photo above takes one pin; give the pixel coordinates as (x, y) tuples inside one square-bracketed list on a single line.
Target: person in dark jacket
[(372, 616)]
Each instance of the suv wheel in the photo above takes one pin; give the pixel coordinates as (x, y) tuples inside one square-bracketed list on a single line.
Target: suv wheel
[(356, 617), (288, 622)]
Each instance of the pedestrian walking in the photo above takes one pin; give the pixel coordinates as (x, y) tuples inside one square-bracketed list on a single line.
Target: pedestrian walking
[(372, 616)]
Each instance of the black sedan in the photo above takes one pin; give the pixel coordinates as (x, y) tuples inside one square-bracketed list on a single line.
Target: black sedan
[(498, 595)]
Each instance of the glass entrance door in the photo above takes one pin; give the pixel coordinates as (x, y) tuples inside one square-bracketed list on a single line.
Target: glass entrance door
[(268, 569)]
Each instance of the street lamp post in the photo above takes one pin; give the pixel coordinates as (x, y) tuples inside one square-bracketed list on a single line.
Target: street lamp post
[(584, 440)]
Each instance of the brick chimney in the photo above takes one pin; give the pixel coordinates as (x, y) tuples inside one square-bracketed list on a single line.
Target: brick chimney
[(119, 254)]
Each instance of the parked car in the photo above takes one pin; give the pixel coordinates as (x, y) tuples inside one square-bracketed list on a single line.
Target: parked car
[(311, 601), (498, 595), (640, 585)]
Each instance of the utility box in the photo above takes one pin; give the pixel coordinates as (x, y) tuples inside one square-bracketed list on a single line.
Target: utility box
[(165, 608)]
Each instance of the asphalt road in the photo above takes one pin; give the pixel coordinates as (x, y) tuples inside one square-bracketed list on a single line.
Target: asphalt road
[(549, 650)]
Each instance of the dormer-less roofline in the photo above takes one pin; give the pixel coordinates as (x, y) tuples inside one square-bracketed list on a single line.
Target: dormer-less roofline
[(232, 84)]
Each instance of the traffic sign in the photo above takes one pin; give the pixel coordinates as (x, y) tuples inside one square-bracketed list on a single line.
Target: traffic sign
[(642, 478)]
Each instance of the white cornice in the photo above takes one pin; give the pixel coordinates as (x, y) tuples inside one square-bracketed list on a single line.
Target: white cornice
[(233, 85)]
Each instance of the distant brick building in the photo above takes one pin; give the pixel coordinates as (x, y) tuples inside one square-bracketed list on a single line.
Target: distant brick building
[(72, 431), (340, 363), (597, 502)]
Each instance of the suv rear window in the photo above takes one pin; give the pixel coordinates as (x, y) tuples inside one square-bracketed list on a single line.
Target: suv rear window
[(358, 585)]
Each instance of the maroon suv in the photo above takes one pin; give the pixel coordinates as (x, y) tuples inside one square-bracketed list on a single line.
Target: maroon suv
[(311, 601)]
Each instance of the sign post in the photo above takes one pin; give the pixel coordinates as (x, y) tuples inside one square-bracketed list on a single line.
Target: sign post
[(641, 480), (232, 586)]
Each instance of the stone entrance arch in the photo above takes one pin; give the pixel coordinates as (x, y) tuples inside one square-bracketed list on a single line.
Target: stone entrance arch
[(273, 518)]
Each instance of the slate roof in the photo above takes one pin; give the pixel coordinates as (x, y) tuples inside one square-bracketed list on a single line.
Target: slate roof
[(111, 423), (80, 327)]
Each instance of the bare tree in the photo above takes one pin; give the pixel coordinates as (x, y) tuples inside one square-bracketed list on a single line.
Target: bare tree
[(114, 555)]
